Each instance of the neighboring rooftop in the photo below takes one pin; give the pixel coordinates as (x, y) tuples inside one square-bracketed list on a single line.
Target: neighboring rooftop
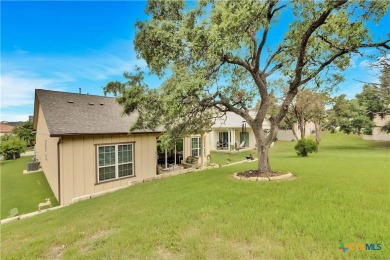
[(82, 114), (6, 128)]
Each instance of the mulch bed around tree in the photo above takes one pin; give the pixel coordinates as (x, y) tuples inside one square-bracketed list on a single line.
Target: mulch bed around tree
[(256, 173)]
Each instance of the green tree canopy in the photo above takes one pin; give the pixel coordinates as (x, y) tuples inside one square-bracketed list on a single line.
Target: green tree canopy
[(25, 132), (216, 57), (11, 146)]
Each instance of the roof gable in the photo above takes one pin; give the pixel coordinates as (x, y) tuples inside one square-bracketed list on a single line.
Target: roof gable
[(82, 114)]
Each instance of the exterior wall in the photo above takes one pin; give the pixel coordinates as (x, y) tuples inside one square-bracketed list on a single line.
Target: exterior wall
[(287, 135), (214, 137), (206, 147), (79, 164), (48, 159), (377, 135)]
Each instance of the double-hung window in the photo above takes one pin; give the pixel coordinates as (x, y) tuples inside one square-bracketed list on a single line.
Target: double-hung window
[(195, 146), (115, 161)]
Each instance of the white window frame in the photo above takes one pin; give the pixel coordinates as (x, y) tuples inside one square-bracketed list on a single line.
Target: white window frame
[(116, 164), (195, 148)]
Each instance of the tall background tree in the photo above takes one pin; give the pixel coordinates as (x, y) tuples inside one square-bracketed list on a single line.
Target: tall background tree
[(25, 132), (355, 115), (216, 57)]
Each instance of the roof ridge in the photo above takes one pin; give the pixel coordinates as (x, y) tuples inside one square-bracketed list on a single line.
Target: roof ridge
[(72, 93)]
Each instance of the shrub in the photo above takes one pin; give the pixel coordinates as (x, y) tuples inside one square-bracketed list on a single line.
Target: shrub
[(367, 131), (305, 146), (11, 147)]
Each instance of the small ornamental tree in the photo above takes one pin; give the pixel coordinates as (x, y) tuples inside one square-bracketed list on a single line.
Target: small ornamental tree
[(305, 146), (11, 147)]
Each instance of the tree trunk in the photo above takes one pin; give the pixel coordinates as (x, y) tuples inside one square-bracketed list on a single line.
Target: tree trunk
[(294, 133), (263, 163), (302, 128), (263, 144), (318, 134)]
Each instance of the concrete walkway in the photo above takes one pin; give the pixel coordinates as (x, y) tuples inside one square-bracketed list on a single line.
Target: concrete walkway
[(28, 153)]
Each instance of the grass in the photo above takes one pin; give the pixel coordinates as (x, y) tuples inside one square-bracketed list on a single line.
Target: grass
[(341, 194), (224, 158), (22, 191)]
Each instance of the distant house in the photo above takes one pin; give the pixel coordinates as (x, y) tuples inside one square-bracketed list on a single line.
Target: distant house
[(286, 134), (6, 129), (379, 121), (231, 131), (84, 146)]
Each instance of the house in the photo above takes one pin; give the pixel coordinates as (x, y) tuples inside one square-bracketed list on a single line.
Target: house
[(6, 129), (231, 131), (84, 146), (380, 119), (286, 134)]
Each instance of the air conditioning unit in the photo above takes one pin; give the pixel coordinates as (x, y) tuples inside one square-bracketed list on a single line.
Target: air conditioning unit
[(32, 166)]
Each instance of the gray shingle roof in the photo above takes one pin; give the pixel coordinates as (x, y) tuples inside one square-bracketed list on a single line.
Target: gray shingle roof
[(82, 114)]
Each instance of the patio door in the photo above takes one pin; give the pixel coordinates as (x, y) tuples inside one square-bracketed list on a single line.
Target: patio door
[(244, 136), (224, 139)]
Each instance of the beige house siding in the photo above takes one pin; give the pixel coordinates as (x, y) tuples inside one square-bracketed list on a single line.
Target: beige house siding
[(377, 135), (235, 137), (48, 159), (287, 135), (79, 165), (206, 147)]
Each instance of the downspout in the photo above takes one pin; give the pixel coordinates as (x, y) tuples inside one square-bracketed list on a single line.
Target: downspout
[(59, 170)]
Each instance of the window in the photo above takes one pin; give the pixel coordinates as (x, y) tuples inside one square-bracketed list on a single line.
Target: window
[(224, 137), (195, 146), (115, 161)]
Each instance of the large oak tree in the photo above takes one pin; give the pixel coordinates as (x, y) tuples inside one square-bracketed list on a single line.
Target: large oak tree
[(224, 55)]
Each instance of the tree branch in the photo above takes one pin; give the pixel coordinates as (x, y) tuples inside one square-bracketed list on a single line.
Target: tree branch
[(224, 101), (323, 65), (378, 44), (305, 39), (237, 61), (275, 68), (270, 14), (279, 50)]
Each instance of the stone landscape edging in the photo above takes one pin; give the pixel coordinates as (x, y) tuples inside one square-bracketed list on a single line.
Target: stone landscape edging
[(286, 176)]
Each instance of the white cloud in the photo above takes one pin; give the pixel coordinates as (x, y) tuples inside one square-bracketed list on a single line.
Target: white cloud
[(14, 117), (17, 88), (22, 74)]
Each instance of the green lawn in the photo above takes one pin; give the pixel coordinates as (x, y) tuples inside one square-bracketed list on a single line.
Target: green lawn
[(22, 191), (227, 158), (341, 194)]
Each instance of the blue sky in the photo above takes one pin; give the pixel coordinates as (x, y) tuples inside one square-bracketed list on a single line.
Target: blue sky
[(70, 45)]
